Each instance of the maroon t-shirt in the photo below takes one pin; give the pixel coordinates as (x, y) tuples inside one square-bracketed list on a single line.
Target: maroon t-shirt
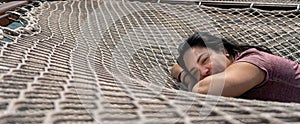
[(282, 81)]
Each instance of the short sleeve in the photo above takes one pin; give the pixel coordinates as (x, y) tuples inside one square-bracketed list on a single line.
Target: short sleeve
[(258, 59)]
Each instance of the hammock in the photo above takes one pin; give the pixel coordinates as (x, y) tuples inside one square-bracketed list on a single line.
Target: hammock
[(98, 61)]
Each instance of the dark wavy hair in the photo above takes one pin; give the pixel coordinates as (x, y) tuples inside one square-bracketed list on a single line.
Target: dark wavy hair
[(206, 40)]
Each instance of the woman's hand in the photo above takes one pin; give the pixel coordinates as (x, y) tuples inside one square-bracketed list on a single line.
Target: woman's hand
[(176, 70)]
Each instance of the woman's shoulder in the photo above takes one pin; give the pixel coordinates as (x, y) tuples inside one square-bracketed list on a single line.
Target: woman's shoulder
[(251, 52), (275, 66), (261, 56)]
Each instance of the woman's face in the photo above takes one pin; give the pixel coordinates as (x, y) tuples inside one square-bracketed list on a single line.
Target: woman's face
[(202, 62)]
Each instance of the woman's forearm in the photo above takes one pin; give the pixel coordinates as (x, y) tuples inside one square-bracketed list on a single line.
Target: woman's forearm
[(234, 81)]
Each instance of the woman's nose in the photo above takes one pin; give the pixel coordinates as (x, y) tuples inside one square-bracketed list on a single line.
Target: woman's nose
[(204, 72)]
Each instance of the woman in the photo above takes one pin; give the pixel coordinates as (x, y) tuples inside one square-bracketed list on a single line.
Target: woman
[(210, 65)]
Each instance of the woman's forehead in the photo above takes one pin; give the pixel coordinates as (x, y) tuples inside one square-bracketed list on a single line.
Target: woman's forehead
[(190, 57), (197, 51)]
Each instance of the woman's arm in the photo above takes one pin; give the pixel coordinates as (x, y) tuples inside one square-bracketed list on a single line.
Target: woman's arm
[(234, 81)]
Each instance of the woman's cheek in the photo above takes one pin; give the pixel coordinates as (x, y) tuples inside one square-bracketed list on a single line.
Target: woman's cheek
[(218, 66)]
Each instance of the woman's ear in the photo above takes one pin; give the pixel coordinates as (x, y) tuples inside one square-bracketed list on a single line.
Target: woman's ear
[(225, 52)]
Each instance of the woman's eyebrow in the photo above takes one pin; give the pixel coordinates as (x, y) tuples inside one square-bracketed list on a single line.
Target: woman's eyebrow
[(198, 59)]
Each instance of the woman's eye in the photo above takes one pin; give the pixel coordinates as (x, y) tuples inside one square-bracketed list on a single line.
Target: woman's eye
[(205, 60)]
